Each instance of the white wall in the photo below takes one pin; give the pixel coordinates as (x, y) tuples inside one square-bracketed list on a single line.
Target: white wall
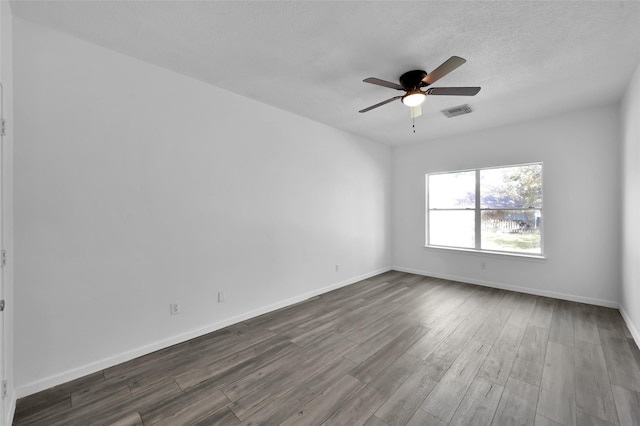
[(136, 187), (630, 306), (580, 152), (6, 75)]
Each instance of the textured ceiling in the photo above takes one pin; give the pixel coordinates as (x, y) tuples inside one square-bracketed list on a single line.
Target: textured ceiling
[(532, 59)]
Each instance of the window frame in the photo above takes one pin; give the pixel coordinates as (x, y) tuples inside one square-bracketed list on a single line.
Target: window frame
[(478, 214)]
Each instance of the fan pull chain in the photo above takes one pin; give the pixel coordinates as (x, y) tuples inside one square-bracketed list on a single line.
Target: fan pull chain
[(414, 124)]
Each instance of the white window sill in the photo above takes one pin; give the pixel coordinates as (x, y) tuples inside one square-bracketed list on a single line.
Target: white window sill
[(519, 256)]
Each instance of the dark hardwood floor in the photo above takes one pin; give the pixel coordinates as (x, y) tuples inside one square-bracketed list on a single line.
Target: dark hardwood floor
[(396, 349)]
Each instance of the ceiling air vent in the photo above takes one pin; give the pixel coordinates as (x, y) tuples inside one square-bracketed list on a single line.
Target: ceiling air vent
[(456, 111)]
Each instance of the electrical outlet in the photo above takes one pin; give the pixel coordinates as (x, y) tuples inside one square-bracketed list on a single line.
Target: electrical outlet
[(220, 297), (174, 308)]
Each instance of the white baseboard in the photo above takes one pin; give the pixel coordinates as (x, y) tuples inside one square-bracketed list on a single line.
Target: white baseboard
[(632, 328), (104, 363), (527, 290)]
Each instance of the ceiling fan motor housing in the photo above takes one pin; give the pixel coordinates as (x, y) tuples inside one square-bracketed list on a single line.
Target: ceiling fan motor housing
[(412, 79)]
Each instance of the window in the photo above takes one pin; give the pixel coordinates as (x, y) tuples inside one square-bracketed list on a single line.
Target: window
[(495, 209)]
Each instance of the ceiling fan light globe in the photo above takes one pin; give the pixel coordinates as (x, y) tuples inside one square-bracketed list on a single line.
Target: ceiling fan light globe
[(414, 98)]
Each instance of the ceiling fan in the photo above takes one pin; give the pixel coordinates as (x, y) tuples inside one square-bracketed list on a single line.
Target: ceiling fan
[(412, 81)]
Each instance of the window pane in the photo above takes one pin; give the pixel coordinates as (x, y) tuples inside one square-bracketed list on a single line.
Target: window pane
[(453, 228), (512, 230), (452, 190), (511, 187)]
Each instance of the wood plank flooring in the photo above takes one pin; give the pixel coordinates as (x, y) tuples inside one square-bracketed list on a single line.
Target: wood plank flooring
[(395, 349)]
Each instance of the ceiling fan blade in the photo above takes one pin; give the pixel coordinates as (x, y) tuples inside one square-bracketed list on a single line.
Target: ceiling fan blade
[(380, 104), (453, 91), (449, 65), (384, 83)]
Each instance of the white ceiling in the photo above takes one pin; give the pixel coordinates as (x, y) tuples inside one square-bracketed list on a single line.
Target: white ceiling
[(532, 59)]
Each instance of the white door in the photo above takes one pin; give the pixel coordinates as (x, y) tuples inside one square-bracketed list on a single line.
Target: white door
[(2, 333)]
